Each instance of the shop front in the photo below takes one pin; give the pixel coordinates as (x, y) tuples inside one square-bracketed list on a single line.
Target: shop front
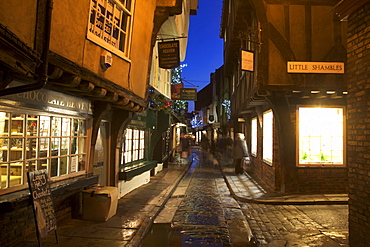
[(43, 130), (135, 161)]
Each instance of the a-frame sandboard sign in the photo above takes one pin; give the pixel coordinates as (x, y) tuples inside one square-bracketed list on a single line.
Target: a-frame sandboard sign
[(43, 207)]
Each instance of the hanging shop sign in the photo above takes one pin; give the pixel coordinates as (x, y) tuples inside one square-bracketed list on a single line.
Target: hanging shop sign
[(169, 55), (316, 67), (247, 60), (188, 94), (175, 91)]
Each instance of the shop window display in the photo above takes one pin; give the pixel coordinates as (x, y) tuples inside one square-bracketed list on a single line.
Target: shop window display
[(321, 136), (33, 142)]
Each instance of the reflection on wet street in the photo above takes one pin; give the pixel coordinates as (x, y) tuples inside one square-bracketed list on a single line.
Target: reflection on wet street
[(203, 212)]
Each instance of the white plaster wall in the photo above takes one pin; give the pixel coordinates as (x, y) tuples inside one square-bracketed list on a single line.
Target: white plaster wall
[(125, 187), (158, 168)]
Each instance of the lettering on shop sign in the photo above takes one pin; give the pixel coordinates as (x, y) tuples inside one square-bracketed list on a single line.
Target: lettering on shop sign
[(169, 54), (188, 94), (42, 202), (54, 100), (316, 67), (48, 100), (247, 61)]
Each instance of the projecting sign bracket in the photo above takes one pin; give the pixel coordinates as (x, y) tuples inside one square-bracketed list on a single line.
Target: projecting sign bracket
[(174, 38)]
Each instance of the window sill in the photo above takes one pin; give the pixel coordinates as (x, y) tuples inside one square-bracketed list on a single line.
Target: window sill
[(13, 201), (138, 169)]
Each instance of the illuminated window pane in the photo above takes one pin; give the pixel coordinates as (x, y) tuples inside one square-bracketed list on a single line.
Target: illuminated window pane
[(268, 136), (4, 175), (31, 148), (4, 123), (254, 136), (16, 150), (66, 128), (16, 173), (63, 165), (44, 126), (4, 149), (56, 125), (17, 124), (32, 125), (320, 136)]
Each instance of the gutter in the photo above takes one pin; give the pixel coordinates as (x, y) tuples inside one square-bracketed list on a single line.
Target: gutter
[(43, 70)]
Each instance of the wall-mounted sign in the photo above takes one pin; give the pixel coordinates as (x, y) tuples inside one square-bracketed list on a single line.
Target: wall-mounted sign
[(316, 67), (44, 99), (188, 94), (247, 61), (169, 55)]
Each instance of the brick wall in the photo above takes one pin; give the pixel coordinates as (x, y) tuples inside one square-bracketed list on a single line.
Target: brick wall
[(19, 224), (358, 144), (16, 215)]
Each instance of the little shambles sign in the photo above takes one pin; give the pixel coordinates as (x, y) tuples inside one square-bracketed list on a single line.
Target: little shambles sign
[(316, 67), (169, 55)]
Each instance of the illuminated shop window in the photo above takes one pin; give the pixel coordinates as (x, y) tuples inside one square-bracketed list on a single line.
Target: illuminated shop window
[(254, 136), (134, 145), (110, 24), (321, 136), (30, 142), (268, 136)]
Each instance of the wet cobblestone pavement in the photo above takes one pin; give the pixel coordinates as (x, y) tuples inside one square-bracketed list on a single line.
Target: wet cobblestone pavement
[(205, 213), (289, 225)]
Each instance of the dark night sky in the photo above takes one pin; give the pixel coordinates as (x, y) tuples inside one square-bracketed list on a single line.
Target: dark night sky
[(205, 47)]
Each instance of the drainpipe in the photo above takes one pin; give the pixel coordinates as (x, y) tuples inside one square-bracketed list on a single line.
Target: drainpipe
[(43, 72)]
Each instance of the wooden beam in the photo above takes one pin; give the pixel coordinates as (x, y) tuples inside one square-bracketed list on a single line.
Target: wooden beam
[(67, 81)]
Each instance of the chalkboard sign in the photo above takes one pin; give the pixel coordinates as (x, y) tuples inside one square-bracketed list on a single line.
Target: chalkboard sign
[(42, 202)]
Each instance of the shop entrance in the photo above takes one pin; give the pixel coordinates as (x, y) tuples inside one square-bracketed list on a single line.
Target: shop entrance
[(101, 153)]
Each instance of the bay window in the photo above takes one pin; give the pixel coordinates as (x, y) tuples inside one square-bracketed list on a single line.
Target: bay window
[(30, 142)]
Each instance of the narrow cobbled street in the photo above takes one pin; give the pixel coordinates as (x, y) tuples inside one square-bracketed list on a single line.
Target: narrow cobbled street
[(201, 211)]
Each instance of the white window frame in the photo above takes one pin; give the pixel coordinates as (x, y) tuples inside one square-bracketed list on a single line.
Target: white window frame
[(254, 136), (111, 21), (133, 148), (268, 136), (327, 131)]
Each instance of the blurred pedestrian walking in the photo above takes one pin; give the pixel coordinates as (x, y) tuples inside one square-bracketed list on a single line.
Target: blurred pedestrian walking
[(240, 151), (185, 143)]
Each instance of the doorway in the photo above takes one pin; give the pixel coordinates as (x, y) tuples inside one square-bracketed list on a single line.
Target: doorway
[(101, 155)]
